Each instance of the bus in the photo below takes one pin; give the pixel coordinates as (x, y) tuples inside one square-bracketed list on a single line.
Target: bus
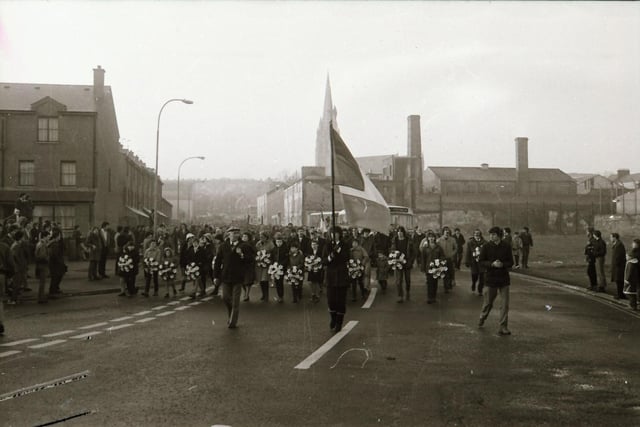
[(401, 216)]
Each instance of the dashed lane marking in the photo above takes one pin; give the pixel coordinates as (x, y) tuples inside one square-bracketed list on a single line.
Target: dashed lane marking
[(57, 334), (11, 344), (142, 313), (95, 325), (173, 303), (9, 353), (86, 335), (372, 296), (165, 313), (159, 307), (185, 298), (184, 307), (316, 355), (121, 319), (145, 320), (207, 298), (47, 344), (115, 328), (196, 303)]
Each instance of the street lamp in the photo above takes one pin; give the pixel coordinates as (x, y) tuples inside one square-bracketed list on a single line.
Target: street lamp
[(181, 163), (155, 181)]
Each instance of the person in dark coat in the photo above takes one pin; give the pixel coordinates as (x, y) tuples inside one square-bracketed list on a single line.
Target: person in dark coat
[(632, 274), (336, 258), (429, 252), (229, 269), (496, 259), (7, 269), (472, 260), (460, 241), (618, 261), (280, 255), (57, 266), (250, 273), (128, 281), (404, 245)]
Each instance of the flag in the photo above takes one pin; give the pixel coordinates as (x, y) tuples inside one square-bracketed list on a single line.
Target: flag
[(345, 168), (364, 205)]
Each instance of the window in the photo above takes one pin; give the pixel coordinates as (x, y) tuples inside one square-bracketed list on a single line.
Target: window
[(68, 174), (26, 173), (47, 129)]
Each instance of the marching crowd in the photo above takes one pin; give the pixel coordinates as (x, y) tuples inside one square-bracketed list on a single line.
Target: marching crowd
[(340, 264)]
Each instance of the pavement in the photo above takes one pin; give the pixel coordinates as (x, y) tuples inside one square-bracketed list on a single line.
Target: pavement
[(76, 283)]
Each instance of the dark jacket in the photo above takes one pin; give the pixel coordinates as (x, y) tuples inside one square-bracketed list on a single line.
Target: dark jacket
[(336, 258), (229, 266), (599, 248), (496, 277), (469, 259), (281, 255), (428, 255), (618, 261), (406, 247), (7, 266)]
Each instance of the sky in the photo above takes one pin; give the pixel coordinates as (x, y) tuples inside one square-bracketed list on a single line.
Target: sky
[(564, 74)]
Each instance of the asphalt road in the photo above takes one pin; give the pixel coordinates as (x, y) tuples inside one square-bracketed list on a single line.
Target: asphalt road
[(572, 360)]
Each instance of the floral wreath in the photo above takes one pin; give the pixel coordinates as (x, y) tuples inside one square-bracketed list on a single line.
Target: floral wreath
[(192, 271), (263, 258), (125, 263), (295, 275), (355, 268), (437, 268), (397, 260), (313, 263), (168, 271), (151, 265), (276, 271)]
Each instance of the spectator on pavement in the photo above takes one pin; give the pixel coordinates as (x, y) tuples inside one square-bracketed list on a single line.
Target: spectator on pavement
[(618, 261), (7, 269), (527, 244), (632, 274), (20, 255), (600, 251)]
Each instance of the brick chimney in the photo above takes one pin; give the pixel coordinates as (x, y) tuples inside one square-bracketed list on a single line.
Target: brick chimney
[(522, 165), (98, 83), (414, 150)]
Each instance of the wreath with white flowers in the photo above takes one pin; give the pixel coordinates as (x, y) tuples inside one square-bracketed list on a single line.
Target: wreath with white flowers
[(276, 271), (192, 272), (295, 275), (313, 263), (476, 253), (151, 265), (263, 258), (168, 271), (356, 269), (125, 263), (437, 268), (396, 260)]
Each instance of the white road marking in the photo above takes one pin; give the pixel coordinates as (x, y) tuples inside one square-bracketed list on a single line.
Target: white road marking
[(47, 344), (9, 353), (121, 319), (184, 307), (57, 334), (316, 355), (142, 313), (185, 298), (207, 299), (11, 344), (372, 296), (173, 303), (115, 328), (43, 386), (160, 307), (146, 319), (196, 303), (95, 325), (165, 313), (85, 335)]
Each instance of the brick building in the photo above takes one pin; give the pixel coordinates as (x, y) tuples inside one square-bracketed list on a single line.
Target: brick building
[(60, 144)]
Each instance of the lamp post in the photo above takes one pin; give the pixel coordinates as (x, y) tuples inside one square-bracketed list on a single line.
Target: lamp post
[(155, 181), (181, 163)]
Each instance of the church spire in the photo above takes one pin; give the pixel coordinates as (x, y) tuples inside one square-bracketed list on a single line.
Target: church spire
[(328, 102)]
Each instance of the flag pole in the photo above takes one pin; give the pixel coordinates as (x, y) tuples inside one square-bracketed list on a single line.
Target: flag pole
[(333, 196)]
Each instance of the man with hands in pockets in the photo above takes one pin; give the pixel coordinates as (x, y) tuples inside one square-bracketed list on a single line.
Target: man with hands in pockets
[(496, 258), (229, 268)]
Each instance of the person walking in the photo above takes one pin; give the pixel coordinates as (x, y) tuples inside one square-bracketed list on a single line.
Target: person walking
[(618, 261), (336, 258), (450, 249), (404, 245), (229, 266), (496, 259), (516, 249), (250, 272), (430, 251), (280, 255), (460, 241), (315, 274), (264, 246), (472, 260)]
